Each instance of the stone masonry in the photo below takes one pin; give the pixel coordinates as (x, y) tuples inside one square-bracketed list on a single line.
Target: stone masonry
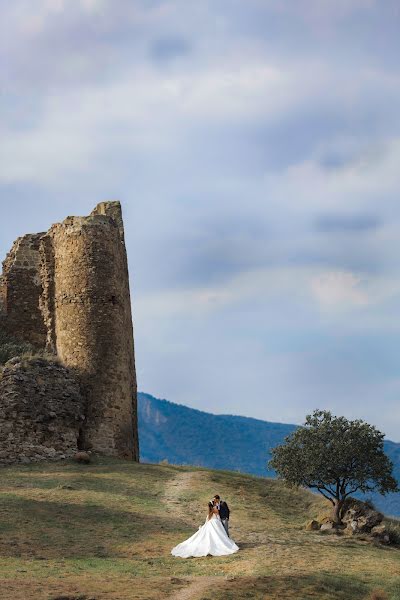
[(67, 290), (41, 411), (20, 289)]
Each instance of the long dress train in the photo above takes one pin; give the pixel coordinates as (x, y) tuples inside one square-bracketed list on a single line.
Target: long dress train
[(211, 538)]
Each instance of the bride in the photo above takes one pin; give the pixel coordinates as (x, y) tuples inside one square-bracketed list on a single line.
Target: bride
[(211, 538)]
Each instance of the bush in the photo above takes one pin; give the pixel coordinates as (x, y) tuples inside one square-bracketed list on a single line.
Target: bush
[(10, 347), (393, 531), (369, 504)]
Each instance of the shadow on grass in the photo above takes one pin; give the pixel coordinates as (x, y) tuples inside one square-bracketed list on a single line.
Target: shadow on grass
[(61, 530), (294, 587), (91, 482)]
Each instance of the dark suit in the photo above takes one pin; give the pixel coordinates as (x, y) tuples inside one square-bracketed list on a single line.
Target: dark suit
[(224, 513)]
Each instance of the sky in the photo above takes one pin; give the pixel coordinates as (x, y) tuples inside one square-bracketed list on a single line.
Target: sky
[(255, 147)]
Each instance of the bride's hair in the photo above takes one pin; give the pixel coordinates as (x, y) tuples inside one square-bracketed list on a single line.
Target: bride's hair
[(210, 510)]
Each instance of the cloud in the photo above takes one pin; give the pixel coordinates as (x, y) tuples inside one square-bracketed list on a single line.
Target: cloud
[(255, 148), (339, 290), (169, 48), (347, 223)]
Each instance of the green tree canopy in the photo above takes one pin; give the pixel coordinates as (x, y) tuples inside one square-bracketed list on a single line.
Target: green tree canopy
[(336, 457)]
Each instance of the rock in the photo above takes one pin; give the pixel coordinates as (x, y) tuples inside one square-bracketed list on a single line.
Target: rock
[(378, 530), (14, 361), (82, 457), (35, 419), (313, 525), (361, 518), (327, 526), (380, 533)]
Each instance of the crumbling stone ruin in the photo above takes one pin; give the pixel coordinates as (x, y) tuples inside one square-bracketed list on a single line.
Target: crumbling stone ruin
[(67, 291), (42, 409)]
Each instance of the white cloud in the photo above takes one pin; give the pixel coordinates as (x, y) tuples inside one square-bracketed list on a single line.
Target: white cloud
[(338, 290), (225, 158)]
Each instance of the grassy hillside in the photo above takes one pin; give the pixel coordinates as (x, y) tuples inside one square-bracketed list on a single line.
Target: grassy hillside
[(104, 531), (183, 435)]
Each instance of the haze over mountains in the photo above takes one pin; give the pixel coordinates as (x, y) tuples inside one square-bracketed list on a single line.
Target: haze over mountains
[(186, 436)]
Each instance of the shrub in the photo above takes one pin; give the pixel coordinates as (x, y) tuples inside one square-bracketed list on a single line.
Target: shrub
[(10, 347), (369, 504), (393, 531)]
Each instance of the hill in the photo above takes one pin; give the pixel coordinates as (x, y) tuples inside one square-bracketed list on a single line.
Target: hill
[(104, 532), (185, 436)]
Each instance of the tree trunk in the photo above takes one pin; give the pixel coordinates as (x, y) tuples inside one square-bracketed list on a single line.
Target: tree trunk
[(336, 512)]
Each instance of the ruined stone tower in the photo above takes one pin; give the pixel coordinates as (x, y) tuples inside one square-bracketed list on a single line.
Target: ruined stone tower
[(70, 293)]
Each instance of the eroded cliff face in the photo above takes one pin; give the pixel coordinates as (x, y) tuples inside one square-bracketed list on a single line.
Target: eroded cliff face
[(68, 292)]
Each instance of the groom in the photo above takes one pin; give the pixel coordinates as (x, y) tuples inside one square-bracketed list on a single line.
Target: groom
[(223, 512)]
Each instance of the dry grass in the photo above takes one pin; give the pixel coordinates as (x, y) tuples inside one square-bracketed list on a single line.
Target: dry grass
[(377, 595), (105, 531)]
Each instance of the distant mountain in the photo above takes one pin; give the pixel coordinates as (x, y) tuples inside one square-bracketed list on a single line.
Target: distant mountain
[(185, 436)]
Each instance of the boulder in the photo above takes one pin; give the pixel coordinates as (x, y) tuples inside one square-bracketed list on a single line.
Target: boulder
[(359, 517), (327, 526), (313, 525), (82, 457), (380, 533)]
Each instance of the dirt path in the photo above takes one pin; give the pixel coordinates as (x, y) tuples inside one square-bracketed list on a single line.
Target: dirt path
[(174, 488), (196, 588), (174, 493)]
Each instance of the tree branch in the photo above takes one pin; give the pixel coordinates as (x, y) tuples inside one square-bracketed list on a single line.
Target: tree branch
[(352, 491), (324, 495), (328, 490)]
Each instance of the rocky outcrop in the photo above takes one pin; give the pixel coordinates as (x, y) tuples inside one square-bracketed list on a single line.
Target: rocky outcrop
[(359, 518), (41, 411)]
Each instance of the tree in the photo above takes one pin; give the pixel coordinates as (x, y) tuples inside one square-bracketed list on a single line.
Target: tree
[(336, 457)]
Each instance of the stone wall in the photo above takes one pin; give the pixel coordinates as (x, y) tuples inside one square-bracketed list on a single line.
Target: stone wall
[(2, 296), (20, 290), (92, 326), (67, 290), (41, 411)]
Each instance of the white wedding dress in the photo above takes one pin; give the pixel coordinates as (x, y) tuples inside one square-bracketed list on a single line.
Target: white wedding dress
[(211, 538)]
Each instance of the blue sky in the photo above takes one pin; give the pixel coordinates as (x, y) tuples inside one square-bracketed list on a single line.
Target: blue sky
[(255, 147)]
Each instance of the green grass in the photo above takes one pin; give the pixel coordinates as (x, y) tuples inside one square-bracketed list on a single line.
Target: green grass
[(105, 531)]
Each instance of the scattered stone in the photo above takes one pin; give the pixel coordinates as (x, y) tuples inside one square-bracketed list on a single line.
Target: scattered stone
[(82, 457), (313, 525), (360, 518), (380, 533), (378, 530), (327, 526)]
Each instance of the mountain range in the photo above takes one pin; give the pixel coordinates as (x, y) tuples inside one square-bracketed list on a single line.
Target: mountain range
[(181, 435)]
